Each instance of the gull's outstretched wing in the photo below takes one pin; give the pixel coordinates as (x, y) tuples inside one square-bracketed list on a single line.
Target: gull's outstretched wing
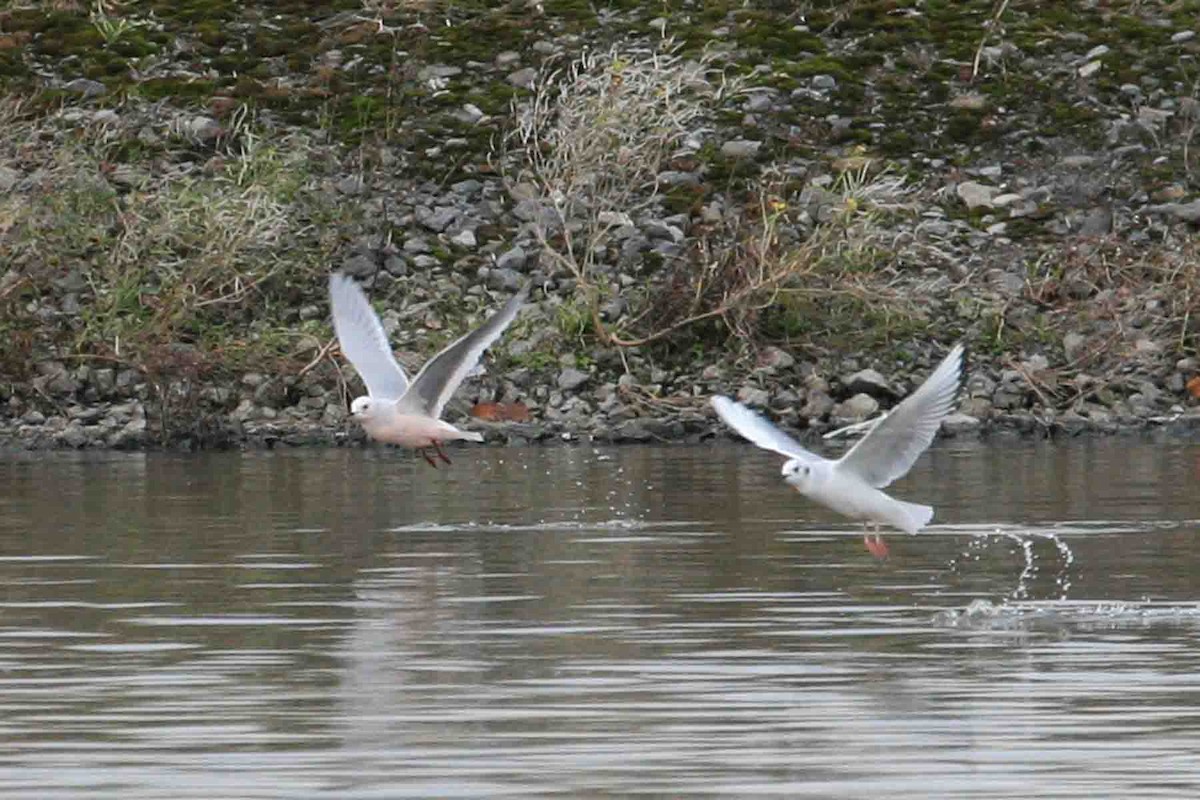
[(890, 449), (443, 373), (363, 340), (758, 430)]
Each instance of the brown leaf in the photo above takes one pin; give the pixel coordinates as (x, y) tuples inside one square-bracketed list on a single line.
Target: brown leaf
[(501, 412)]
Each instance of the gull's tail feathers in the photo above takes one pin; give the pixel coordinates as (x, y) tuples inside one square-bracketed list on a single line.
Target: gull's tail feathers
[(911, 517)]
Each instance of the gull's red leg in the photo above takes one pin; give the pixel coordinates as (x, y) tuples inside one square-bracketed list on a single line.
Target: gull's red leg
[(438, 446), (425, 456), (876, 546)]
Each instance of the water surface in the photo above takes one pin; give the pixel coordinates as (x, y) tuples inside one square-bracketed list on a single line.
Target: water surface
[(580, 622)]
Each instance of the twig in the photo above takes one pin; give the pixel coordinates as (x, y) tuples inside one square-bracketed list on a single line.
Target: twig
[(993, 22)]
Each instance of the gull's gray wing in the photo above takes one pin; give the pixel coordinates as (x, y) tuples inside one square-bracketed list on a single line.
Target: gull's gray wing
[(758, 430), (890, 449), (363, 340), (443, 373)]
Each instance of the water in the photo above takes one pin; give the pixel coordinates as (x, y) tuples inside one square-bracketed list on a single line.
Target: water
[(657, 622)]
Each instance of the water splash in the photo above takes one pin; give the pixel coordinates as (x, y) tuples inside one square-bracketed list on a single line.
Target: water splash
[(1088, 614), (1031, 564)]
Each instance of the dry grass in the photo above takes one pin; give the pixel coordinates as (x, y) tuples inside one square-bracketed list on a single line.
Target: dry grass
[(593, 141), (184, 266)]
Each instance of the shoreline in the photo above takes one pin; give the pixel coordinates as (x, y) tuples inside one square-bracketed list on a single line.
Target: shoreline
[(689, 429)]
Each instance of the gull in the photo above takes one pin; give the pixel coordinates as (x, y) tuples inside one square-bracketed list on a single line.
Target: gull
[(852, 484), (394, 409)]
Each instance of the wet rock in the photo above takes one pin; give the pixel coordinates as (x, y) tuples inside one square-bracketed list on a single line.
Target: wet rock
[(957, 423)]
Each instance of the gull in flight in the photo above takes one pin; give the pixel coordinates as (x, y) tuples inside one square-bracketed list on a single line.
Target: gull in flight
[(396, 410), (851, 485)]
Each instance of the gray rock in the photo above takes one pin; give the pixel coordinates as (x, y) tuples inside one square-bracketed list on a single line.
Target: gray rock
[(753, 396), (435, 71), (464, 238), (437, 219), (957, 423), (8, 178), (976, 195), (203, 128), (818, 405), (870, 382), (416, 245), (1073, 345), (571, 379), (512, 259), (858, 407), (823, 82), (1188, 212), (351, 185), (1182, 36), (504, 279), (523, 78), (740, 148), (774, 358), (507, 59), (73, 435), (86, 87), (359, 266)]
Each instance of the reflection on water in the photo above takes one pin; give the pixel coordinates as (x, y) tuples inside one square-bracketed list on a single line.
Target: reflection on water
[(588, 623)]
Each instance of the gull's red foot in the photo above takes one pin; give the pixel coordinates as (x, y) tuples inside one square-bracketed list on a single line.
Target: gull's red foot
[(438, 446), (425, 456), (876, 546)]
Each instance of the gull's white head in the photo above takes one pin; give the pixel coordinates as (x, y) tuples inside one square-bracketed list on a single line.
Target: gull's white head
[(798, 473), (362, 408)]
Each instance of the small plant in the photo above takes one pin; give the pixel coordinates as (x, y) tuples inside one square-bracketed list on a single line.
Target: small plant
[(593, 140), (112, 29)]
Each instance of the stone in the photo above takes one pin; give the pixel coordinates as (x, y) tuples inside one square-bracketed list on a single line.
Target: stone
[(740, 148), (818, 405), (523, 78), (8, 178), (437, 219), (1073, 345), (858, 407), (976, 195), (1187, 212), (957, 423), (464, 238), (753, 396), (571, 379), (869, 382), (823, 82), (86, 87), (774, 358), (350, 185), (512, 259)]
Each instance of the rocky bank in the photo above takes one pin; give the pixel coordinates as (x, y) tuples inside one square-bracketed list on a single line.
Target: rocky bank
[(1026, 182)]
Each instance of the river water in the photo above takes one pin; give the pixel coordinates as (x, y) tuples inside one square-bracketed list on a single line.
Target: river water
[(589, 623)]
